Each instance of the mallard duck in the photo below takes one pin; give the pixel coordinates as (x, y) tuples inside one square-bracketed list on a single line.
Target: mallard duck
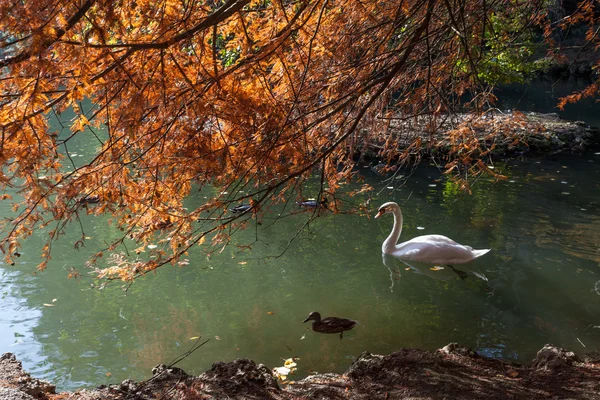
[(312, 203), (89, 200), (435, 249), (245, 207), (330, 324), (241, 208)]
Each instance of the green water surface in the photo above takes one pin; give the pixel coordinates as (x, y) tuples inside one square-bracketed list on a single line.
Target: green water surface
[(539, 284)]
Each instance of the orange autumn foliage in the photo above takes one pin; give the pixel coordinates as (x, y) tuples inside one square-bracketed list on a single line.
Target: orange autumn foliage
[(248, 96)]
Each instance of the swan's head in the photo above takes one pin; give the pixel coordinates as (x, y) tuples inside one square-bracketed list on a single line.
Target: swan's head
[(388, 207), (315, 316)]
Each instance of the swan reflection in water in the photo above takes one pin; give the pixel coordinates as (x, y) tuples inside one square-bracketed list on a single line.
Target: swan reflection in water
[(395, 266)]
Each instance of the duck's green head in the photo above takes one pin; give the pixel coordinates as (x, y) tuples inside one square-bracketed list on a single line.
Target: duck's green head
[(314, 316)]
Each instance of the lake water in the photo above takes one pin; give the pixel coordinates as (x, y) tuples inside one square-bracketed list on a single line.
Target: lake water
[(539, 284)]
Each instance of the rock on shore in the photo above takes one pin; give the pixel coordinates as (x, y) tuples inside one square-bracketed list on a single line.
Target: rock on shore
[(453, 372)]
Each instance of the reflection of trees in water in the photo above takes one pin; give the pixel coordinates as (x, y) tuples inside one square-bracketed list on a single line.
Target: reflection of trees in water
[(154, 338), (581, 240)]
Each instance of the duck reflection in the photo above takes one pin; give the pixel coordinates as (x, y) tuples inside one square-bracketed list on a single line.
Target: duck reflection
[(441, 272)]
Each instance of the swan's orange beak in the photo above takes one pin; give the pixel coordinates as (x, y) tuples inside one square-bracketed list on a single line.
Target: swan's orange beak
[(380, 213)]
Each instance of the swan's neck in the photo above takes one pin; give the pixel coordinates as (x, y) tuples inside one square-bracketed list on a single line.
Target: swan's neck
[(389, 245)]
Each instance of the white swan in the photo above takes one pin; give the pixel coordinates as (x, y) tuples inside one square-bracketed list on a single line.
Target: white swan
[(435, 249)]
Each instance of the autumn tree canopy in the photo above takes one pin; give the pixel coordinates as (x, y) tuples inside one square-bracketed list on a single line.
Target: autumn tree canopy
[(250, 97)]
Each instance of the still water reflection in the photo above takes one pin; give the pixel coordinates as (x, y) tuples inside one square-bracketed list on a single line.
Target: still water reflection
[(538, 285)]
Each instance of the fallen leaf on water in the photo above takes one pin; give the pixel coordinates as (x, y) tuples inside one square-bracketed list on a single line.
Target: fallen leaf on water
[(406, 269), (436, 268), (152, 246), (290, 362), (54, 300), (270, 312), (303, 337), (217, 338), (195, 338), (283, 371), (243, 263), (108, 374), (88, 238), (420, 228), (48, 305)]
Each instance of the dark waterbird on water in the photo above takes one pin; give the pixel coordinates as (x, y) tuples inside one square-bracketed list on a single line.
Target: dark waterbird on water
[(312, 203), (241, 208), (330, 324), (244, 207)]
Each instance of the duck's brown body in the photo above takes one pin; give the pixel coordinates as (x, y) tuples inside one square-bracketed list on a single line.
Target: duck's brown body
[(330, 324)]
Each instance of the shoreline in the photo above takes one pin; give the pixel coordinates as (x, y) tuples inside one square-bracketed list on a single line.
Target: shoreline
[(453, 371), (501, 135)]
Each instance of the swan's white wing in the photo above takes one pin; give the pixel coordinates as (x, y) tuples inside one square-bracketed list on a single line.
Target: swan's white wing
[(430, 249), (434, 239)]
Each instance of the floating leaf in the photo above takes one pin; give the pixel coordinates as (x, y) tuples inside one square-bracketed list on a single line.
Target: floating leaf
[(303, 337), (270, 312), (283, 371), (54, 300), (195, 338), (243, 263), (420, 228), (152, 246), (437, 268), (290, 362), (108, 374), (217, 338), (48, 305)]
